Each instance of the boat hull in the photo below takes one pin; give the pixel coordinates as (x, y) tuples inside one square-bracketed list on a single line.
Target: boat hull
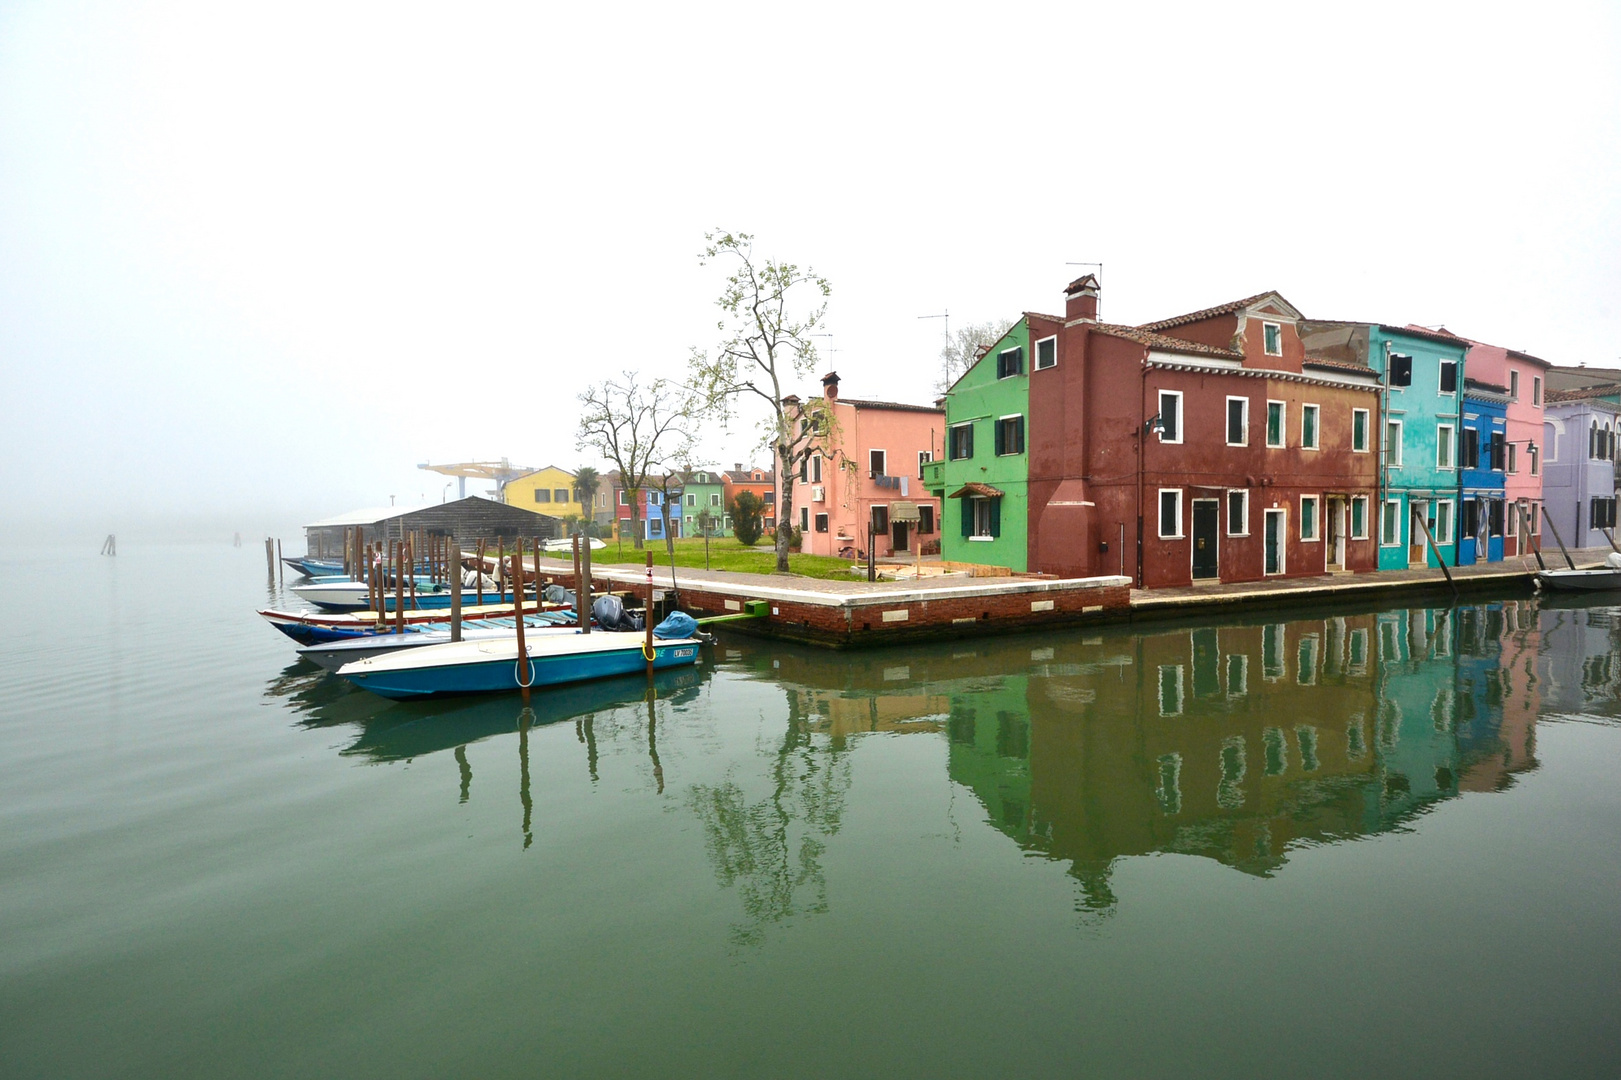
[(333, 655), (1604, 579), (493, 667), (356, 596)]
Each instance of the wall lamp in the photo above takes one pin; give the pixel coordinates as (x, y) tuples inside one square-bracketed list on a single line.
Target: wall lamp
[(1154, 425)]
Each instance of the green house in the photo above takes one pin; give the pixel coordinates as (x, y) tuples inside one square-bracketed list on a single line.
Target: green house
[(983, 482), (701, 493)]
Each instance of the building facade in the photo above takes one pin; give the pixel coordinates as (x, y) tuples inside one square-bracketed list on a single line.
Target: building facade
[(703, 503), (1578, 470), (873, 459), (1524, 380), (649, 521), (545, 491), (1483, 521), (762, 482)]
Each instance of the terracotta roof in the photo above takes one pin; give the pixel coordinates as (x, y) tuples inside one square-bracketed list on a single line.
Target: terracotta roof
[(746, 476), (1482, 384), (1338, 365), (1439, 331), (1048, 318), (862, 403), (1230, 308), (982, 490), (1419, 332), (1144, 336), (1528, 358), (1584, 393)]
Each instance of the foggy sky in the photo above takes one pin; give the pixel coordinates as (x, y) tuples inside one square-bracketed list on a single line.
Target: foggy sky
[(256, 263)]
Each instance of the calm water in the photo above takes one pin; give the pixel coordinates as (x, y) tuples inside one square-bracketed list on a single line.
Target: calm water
[(1347, 844)]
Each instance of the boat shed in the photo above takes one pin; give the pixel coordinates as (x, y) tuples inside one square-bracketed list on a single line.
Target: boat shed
[(468, 520)]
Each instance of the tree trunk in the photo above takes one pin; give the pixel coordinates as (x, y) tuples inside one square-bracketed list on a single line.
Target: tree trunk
[(635, 521), (785, 508)]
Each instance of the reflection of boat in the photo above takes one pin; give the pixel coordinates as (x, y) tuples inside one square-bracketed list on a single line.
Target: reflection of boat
[(415, 729), (1597, 579), (332, 655), (481, 667)]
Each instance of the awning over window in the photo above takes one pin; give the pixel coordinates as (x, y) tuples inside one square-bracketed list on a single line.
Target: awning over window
[(983, 491)]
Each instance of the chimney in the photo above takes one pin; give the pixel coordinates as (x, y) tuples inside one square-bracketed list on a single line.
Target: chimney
[(738, 467), (830, 386), (1081, 299)]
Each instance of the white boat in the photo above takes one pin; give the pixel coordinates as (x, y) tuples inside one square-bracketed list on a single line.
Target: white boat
[(566, 544), (1598, 579), (333, 655), (356, 595)]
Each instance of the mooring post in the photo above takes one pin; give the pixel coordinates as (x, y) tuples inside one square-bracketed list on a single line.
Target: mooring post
[(501, 574), (399, 586), (281, 567), (1530, 541), (578, 609), (479, 581), (647, 617), (455, 590), (521, 672), (270, 559), (582, 587), (1557, 539), (1428, 536)]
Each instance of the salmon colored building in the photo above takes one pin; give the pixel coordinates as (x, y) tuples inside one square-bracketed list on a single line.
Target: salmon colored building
[(1523, 378), (874, 460), (762, 482)]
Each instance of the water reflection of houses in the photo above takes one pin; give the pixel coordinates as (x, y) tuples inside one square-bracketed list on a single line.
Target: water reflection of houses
[(1579, 670), (1240, 742)]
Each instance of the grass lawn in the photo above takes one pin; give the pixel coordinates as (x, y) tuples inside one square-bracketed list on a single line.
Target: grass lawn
[(725, 553)]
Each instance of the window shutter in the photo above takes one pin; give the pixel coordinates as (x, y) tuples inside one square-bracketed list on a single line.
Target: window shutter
[(1001, 437), (996, 517), (967, 516)]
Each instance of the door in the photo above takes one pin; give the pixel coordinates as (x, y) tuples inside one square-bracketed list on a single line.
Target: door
[(1415, 533), (898, 538), (1336, 534), (1273, 533), (1205, 514)]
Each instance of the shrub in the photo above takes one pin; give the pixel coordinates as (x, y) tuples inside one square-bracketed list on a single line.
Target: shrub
[(748, 510)]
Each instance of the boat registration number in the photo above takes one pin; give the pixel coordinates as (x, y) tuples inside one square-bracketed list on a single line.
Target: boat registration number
[(682, 654)]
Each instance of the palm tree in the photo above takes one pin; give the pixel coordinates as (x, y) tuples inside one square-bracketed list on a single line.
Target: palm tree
[(586, 482)]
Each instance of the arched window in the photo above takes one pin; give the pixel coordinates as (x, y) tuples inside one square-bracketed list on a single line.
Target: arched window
[(1592, 440)]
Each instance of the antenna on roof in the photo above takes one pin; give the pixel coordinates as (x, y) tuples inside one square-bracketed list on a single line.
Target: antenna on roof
[(1100, 281), (946, 315), (831, 348)]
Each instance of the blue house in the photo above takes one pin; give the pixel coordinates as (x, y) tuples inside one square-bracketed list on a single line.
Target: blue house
[(1422, 378), (1482, 474)]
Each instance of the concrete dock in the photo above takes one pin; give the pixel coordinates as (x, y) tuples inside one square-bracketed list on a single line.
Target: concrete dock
[(857, 613)]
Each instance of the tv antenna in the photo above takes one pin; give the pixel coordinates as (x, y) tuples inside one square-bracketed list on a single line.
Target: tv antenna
[(946, 316), (1100, 281), (831, 348)]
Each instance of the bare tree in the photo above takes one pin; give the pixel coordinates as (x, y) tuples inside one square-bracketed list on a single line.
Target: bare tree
[(770, 310), (638, 428), (963, 348)]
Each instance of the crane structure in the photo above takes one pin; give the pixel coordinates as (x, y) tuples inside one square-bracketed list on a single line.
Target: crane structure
[(498, 471)]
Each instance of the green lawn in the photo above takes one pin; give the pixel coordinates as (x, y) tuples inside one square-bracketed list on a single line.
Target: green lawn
[(725, 553)]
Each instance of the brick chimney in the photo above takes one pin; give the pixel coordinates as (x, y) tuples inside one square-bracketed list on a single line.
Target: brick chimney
[(830, 386), (1081, 299)]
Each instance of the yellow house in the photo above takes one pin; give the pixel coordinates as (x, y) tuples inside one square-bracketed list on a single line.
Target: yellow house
[(545, 491)]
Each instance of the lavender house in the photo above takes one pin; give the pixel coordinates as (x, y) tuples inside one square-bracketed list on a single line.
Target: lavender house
[(1578, 474)]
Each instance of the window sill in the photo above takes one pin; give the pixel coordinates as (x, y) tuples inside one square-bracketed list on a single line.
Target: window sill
[(1237, 536), (1178, 536), (1276, 446), (980, 539), (1238, 445), (1311, 540)]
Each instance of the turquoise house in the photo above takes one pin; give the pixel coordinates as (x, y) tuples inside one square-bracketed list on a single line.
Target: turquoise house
[(1417, 432)]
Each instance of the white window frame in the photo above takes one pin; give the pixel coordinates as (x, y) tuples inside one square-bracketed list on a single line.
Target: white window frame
[(1317, 432), (1393, 460), (1534, 455), (1393, 506), (1316, 519), (623, 501), (1268, 329), (1283, 425), (804, 519), (815, 469), (1511, 457), (1452, 446), (923, 458), (1536, 391), (1160, 514), (883, 457), (1181, 416), (1449, 534), (1023, 434), (692, 498), (1035, 353), (1226, 420), (1283, 541), (1367, 429), (1003, 352), (969, 424), (1229, 510), (714, 498), (1355, 499)]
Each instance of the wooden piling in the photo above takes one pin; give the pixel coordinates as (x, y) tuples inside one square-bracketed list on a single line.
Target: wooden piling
[(281, 567), (480, 582), (525, 675), (1557, 539), (582, 592), (647, 618), (501, 569), (1431, 538), (455, 591), (579, 608), (270, 559), (1530, 541)]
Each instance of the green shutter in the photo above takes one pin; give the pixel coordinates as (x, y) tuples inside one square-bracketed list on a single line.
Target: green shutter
[(967, 506), (996, 517)]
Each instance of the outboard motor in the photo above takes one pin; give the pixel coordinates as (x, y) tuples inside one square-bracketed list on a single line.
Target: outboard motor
[(610, 614)]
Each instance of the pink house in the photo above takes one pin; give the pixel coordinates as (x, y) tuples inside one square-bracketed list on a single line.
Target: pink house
[(876, 460), (1524, 378)]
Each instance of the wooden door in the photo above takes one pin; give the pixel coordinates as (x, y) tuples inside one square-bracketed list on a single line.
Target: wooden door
[(1205, 515)]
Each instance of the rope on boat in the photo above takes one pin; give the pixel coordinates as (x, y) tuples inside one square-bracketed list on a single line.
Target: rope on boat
[(648, 652), (517, 665)]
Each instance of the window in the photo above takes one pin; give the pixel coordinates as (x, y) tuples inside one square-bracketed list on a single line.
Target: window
[(1470, 522), (1359, 430), (1170, 513), (1443, 521), (1536, 390), (1533, 457), (923, 458), (1238, 513), (1308, 517), (1308, 427), (654, 499), (982, 518), (1443, 447), (1470, 457), (542, 495), (560, 495), (1513, 463), (714, 498), (771, 498), (622, 500), (1602, 514), (925, 519), (1401, 369), (1238, 421), (1010, 435), (1534, 512), (1170, 416), (1359, 517), (962, 442), (1390, 524), (1272, 338), (821, 523), (1499, 451), (692, 500), (1449, 376), (804, 519), (880, 519), (1274, 423), (878, 461), (1393, 443), (1513, 385), (1046, 353), (1009, 362), (1305, 665)]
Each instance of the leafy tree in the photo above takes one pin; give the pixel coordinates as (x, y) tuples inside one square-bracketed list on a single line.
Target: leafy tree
[(587, 482), (639, 428), (965, 347), (748, 516), (769, 309)]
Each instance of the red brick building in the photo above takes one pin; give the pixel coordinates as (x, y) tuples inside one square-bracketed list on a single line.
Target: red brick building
[(1206, 447)]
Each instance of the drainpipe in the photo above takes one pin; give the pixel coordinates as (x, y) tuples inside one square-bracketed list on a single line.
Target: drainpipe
[(1457, 453), (1142, 452), (1383, 457)]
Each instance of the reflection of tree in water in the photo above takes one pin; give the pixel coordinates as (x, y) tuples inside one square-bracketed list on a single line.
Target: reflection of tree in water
[(770, 848)]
